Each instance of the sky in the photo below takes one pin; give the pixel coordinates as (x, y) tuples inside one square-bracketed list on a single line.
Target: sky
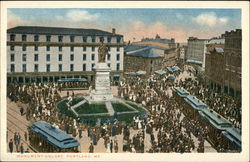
[(134, 24)]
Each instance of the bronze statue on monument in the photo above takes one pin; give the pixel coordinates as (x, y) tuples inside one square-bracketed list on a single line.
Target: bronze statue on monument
[(102, 51)]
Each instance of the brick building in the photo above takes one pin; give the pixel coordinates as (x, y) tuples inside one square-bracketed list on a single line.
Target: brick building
[(223, 63), (142, 58), (233, 55)]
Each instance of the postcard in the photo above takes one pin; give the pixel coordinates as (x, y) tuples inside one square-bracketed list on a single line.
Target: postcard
[(124, 81)]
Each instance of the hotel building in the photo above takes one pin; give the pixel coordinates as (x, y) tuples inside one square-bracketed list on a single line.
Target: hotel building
[(47, 54)]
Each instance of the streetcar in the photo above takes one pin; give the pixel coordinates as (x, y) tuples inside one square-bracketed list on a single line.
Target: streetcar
[(46, 138), (221, 133)]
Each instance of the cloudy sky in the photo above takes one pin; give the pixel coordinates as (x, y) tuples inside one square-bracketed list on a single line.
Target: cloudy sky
[(134, 24)]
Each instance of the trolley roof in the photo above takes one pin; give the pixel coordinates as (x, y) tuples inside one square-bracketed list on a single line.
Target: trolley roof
[(54, 136)]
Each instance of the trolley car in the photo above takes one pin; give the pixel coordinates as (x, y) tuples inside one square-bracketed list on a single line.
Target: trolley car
[(220, 131), (46, 138)]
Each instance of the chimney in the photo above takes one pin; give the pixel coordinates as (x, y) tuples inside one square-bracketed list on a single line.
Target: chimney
[(113, 31), (172, 40)]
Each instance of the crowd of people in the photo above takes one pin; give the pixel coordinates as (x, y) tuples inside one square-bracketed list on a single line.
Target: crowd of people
[(227, 106), (168, 129)]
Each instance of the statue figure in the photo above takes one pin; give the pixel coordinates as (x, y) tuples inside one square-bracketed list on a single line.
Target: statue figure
[(102, 51)]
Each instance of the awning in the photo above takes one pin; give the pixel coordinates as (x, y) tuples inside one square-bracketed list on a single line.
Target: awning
[(141, 72), (194, 62), (160, 72), (132, 74), (72, 80), (176, 68), (170, 77)]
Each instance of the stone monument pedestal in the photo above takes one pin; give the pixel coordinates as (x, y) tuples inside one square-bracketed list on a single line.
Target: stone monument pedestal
[(102, 91)]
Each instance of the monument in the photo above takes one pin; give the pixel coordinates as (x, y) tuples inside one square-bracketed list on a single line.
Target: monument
[(100, 102), (102, 91)]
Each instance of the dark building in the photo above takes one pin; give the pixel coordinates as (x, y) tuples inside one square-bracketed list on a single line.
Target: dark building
[(233, 55), (223, 64)]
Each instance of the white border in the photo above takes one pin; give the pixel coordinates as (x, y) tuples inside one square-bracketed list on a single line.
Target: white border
[(244, 6)]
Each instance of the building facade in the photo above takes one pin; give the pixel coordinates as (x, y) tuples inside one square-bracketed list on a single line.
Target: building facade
[(142, 58), (170, 57), (233, 63), (215, 66), (223, 63), (196, 51), (41, 54), (158, 42)]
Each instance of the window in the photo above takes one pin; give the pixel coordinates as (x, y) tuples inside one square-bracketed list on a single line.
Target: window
[(71, 49), (83, 67), (12, 57), (93, 57), (118, 49), (60, 57), (12, 68), (71, 67), (118, 57), (108, 64), (72, 38), (60, 38), (24, 57), (24, 68), (84, 57), (12, 37), (59, 67), (24, 48), (93, 39), (92, 67), (12, 48), (24, 38), (47, 48), (109, 39), (109, 49), (36, 57), (93, 49), (48, 67), (36, 67), (109, 57), (84, 39), (84, 48), (48, 37), (101, 38), (71, 57), (118, 40), (35, 48), (117, 67), (48, 57), (36, 38), (60, 48)]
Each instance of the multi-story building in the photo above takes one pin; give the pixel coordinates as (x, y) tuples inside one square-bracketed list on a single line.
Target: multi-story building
[(158, 42), (142, 58), (233, 55), (215, 66), (223, 63), (196, 51), (41, 54), (183, 52), (170, 57)]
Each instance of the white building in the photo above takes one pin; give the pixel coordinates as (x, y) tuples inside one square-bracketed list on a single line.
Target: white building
[(196, 51), (40, 54)]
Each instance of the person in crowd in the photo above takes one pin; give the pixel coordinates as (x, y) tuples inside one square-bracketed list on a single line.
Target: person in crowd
[(11, 146), (91, 148)]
